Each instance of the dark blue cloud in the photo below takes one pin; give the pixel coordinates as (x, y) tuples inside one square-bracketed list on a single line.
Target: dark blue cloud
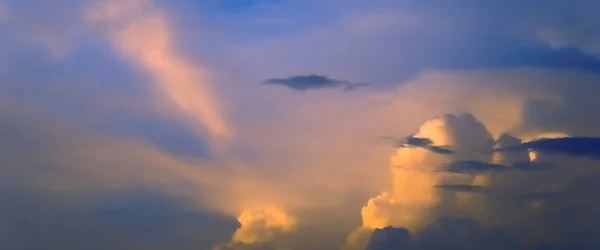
[(440, 150), (418, 142), (573, 146), (302, 83)]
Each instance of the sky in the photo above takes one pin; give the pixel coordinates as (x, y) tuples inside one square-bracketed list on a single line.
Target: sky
[(299, 124)]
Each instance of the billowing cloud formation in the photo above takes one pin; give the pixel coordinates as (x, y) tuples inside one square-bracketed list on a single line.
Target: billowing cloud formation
[(416, 173), (262, 224), (259, 226), (492, 202), (141, 32), (303, 83)]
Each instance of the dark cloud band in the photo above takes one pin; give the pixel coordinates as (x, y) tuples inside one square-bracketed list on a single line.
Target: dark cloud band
[(573, 146)]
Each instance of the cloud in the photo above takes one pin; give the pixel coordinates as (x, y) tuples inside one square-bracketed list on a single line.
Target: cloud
[(142, 33), (259, 227), (505, 181), (424, 143), (262, 224), (573, 146), (411, 203), (303, 83)]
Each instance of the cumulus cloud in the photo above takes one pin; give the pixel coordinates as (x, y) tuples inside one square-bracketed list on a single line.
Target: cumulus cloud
[(142, 33), (262, 224), (518, 205), (501, 173), (303, 83), (414, 195), (259, 227)]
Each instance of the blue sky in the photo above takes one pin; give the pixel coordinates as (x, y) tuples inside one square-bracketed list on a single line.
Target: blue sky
[(276, 124)]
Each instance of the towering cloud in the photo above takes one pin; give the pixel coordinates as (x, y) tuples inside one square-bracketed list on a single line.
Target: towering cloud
[(499, 209), (141, 32), (416, 174)]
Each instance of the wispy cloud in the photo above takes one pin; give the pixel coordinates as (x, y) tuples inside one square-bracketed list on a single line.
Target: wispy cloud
[(303, 83), (141, 32)]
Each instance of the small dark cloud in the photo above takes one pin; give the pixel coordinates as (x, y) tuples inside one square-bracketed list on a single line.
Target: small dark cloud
[(421, 142), (303, 83), (573, 146), (418, 142), (440, 150)]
